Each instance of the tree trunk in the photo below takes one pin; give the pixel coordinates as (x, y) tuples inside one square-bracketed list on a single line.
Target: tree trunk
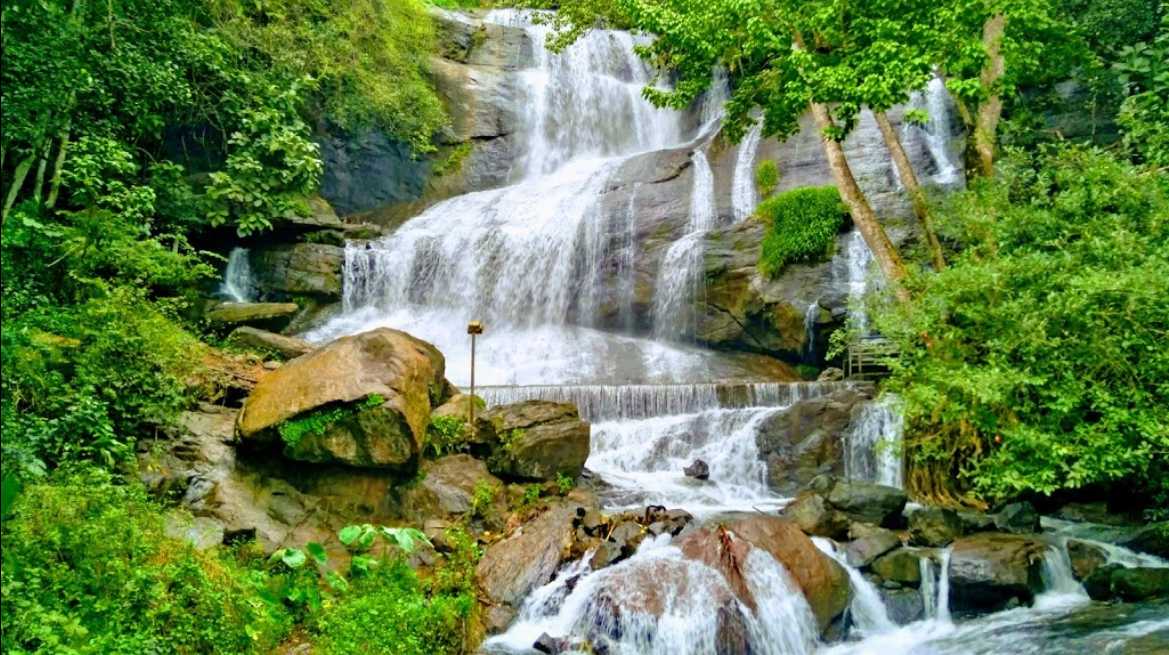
[(17, 181), (862, 213), (912, 187), (42, 165), (991, 109), (58, 166)]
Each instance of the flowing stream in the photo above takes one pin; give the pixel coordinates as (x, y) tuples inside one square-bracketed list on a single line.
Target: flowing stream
[(539, 262)]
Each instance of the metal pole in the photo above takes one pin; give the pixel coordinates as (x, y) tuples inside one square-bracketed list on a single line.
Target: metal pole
[(471, 400)]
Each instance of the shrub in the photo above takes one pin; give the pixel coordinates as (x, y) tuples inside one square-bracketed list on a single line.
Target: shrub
[(445, 434), (801, 227), (318, 421), (87, 569), (766, 177), (1046, 363)]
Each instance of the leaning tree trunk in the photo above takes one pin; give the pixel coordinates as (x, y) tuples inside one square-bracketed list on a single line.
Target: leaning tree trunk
[(17, 182), (862, 213), (912, 187), (58, 166), (987, 121)]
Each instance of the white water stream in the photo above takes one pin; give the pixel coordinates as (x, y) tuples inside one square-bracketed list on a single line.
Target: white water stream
[(237, 285)]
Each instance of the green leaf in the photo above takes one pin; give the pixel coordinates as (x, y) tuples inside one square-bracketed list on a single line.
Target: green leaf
[(405, 538), (293, 558), (317, 552), (349, 534)]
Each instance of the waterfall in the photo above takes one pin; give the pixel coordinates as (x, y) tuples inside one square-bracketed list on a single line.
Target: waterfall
[(929, 588), (866, 608), (714, 99), (942, 604), (743, 195), (935, 134), (658, 602), (681, 274), (811, 314), (856, 262), (627, 260), (237, 285), (873, 443)]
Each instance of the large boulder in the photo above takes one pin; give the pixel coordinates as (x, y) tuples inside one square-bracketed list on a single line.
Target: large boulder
[(539, 440), (274, 315), (823, 581), (395, 376), (807, 439), (1085, 558), (1152, 539), (451, 487), (812, 513), (902, 566), (1019, 518), (263, 340), (869, 502), (934, 526), (296, 269), (1128, 584), (989, 569), (870, 545)]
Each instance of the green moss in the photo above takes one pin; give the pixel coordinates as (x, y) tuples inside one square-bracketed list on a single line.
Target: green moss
[(318, 421), (801, 227), (446, 434), (766, 177)]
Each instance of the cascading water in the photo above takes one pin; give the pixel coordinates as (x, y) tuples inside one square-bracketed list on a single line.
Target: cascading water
[(680, 277), (237, 285), (935, 133), (743, 195), (853, 271), (866, 610), (873, 444)]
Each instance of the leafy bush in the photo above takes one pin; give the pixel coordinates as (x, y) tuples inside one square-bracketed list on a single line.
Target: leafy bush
[(87, 569), (1045, 366), (318, 421), (801, 227), (445, 435), (766, 177)]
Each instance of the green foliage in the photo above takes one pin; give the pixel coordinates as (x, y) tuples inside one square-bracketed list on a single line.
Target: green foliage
[(807, 371), (766, 177), (564, 484), (1046, 363), (483, 498), (318, 421), (801, 227), (1144, 114), (445, 435), (87, 569)]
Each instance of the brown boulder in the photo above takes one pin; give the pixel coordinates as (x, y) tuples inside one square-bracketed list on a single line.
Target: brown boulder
[(989, 569), (538, 440), (812, 513), (902, 565), (274, 315), (407, 373), (1085, 558), (255, 338), (448, 489)]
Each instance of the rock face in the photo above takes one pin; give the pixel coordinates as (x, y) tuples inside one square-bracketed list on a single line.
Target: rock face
[(987, 570), (405, 372), (807, 439), (538, 440), (863, 550), (448, 490), (299, 269)]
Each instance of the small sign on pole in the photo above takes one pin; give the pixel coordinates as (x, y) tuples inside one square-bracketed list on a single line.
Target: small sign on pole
[(474, 328)]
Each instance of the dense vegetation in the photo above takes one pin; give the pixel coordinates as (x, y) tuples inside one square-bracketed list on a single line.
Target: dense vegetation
[(801, 226)]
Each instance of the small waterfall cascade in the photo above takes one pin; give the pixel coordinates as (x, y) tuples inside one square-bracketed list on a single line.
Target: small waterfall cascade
[(680, 276), (744, 198), (935, 586), (873, 445), (714, 99), (660, 603), (868, 612), (627, 260), (1099, 536), (237, 285), (852, 271), (944, 150), (1060, 586), (811, 314)]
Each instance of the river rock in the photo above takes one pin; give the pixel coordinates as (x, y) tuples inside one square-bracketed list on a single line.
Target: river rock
[(538, 440), (1085, 558), (273, 315), (286, 347), (934, 526), (806, 439), (285, 270), (904, 606), (863, 550), (823, 581), (902, 566), (869, 502), (989, 569), (1128, 584), (510, 569), (407, 373), (1152, 539), (698, 470), (1018, 518), (447, 490), (1095, 512), (812, 513)]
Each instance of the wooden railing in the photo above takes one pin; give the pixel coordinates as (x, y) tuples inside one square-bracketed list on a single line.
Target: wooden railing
[(869, 357)]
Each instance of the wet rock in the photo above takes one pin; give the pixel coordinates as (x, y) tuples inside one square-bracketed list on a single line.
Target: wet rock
[(263, 340), (974, 521), (272, 315), (862, 551), (934, 526), (989, 569), (496, 618), (448, 490), (1152, 539), (1018, 518), (830, 374), (698, 470), (539, 440), (627, 536), (869, 502), (812, 513), (1094, 512), (1085, 558), (806, 439), (1128, 584), (510, 569), (405, 372), (904, 606), (902, 566), (550, 645), (294, 269)]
